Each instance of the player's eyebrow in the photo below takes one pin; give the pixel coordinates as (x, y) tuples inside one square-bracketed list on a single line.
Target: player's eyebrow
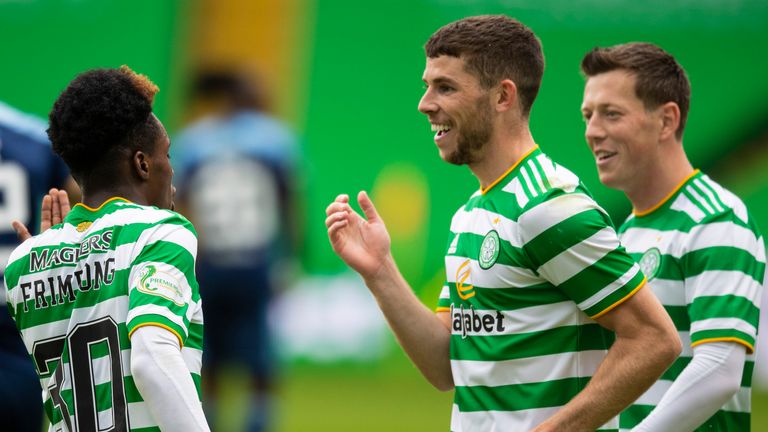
[(440, 80)]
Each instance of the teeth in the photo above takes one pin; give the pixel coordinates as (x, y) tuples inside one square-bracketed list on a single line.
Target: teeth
[(440, 128), (603, 154)]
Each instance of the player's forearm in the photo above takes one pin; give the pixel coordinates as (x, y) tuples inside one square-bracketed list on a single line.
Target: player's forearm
[(164, 382), (704, 386), (423, 336), (630, 368)]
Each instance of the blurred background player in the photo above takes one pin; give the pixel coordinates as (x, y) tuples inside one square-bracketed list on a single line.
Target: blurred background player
[(234, 170), (28, 169)]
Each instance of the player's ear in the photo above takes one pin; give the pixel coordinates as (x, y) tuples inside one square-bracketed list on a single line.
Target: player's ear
[(141, 164), (506, 96), (670, 119)]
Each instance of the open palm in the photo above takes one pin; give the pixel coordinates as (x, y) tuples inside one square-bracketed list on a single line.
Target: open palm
[(362, 244)]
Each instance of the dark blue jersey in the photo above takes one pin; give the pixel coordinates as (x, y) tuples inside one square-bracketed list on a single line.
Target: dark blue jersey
[(28, 169), (234, 173)]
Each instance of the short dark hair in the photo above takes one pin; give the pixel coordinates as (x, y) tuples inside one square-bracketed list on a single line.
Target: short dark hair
[(659, 77), (103, 113), (494, 48)]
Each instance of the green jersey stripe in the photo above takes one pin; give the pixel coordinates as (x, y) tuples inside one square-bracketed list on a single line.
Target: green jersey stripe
[(535, 177), (522, 297), (710, 194), (456, 267), (584, 229), (575, 285), (694, 194), (528, 184), (531, 369), (559, 208), (722, 258), (697, 203), (724, 306), (520, 396), (538, 172), (583, 337)]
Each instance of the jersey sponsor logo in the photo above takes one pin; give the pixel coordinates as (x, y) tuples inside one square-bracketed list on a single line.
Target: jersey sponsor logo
[(465, 290), (469, 321), (161, 284), (44, 258), (489, 250), (650, 263)]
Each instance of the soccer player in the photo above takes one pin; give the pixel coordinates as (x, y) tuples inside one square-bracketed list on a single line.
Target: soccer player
[(695, 241), (106, 302), (534, 268), (28, 169), (234, 171)]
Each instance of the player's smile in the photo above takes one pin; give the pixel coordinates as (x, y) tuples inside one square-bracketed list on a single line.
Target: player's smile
[(441, 130), (620, 131), (604, 157)]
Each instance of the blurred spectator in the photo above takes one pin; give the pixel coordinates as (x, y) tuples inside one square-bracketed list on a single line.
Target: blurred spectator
[(28, 169), (234, 169)]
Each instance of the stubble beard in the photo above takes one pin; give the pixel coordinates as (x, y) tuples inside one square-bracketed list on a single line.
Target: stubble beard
[(474, 135)]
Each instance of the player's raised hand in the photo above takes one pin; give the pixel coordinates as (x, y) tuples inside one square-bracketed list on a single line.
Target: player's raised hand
[(55, 208), (362, 243)]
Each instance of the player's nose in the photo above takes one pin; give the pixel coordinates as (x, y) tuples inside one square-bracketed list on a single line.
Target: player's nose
[(426, 104)]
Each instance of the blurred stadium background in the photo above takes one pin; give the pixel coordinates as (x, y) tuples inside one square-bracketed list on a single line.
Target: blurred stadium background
[(347, 76)]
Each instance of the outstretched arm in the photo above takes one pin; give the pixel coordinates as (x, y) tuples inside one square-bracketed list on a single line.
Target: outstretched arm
[(364, 244), (646, 345), (55, 207)]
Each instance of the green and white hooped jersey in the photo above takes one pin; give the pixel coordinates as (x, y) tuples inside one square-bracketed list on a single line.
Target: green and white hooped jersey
[(704, 258), (531, 260), (78, 291)]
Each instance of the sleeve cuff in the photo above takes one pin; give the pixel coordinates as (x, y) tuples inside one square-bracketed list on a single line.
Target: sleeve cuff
[(157, 321)]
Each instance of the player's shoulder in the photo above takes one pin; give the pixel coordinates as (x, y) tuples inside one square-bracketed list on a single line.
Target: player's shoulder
[(548, 194), (156, 216), (141, 217), (540, 179), (704, 201)]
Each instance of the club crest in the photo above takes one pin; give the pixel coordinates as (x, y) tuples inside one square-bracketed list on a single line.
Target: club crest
[(489, 250), (650, 263)]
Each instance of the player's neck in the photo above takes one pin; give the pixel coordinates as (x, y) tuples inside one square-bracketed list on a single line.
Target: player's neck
[(662, 178), (97, 197), (502, 152)]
